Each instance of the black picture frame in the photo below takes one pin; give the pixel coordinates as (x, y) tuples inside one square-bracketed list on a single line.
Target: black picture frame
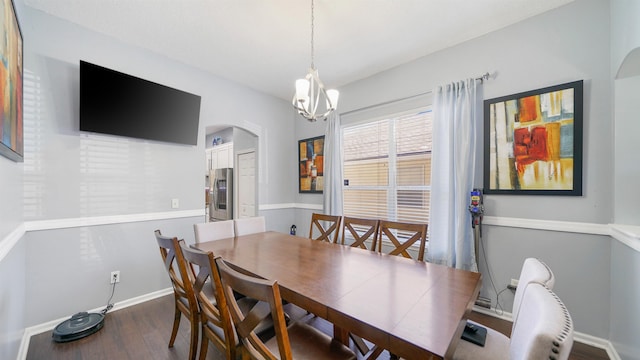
[(311, 165), (533, 142), (11, 71)]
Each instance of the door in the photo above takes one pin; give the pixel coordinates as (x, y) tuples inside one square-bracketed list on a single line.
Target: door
[(246, 172)]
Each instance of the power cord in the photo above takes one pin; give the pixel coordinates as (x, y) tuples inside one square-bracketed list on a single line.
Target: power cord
[(498, 309), (109, 304)]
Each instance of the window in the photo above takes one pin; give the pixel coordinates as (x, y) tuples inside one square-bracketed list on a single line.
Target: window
[(387, 168)]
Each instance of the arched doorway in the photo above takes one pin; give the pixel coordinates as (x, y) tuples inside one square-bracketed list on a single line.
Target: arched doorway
[(235, 148)]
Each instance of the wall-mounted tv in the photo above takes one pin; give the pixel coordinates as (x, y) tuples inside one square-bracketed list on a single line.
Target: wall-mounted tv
[(115, 103)]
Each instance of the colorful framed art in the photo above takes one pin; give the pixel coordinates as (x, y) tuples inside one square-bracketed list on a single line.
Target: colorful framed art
[(533, 142), (311, 165), (11, 67)]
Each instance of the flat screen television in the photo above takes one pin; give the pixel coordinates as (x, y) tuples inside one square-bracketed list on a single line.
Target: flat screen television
[(115, 103)]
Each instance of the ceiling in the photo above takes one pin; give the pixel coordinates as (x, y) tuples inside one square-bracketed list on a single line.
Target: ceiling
[(265, 44)]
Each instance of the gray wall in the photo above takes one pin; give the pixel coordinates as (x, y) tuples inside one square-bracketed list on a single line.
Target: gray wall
[(627, 148), (625, 297), (625, 261)]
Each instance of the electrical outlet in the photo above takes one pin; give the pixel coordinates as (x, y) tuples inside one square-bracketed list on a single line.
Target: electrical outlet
[(115, 276), (514, 282), (175, 203)]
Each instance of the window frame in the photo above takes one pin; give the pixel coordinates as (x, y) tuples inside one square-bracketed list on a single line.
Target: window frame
[(392, 186)]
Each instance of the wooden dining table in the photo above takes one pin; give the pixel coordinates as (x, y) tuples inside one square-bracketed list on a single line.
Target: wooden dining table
[(414, 309)]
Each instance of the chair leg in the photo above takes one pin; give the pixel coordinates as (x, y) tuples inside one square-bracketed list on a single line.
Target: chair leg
[(193, 344), (204, 346), (176, 324)]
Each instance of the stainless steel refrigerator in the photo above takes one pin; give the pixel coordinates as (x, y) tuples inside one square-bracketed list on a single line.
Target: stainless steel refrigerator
[(221, 204)]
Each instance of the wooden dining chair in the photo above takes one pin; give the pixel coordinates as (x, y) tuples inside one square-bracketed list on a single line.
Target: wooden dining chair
[(250, 225), (327, 227), (215, 321), (362, 231), (297, 340), (401, 236), (184, 297), (214, 230)]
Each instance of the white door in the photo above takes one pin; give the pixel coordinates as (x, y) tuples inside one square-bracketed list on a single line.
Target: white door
[(246, 172)]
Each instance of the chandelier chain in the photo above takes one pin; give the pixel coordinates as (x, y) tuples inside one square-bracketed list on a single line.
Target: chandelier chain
[(312, 19)]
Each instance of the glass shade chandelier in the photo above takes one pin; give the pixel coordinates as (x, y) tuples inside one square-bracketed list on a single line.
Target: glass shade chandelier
[(311, 100)]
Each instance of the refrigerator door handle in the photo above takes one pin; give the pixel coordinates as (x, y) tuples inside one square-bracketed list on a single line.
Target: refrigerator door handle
[(215, 195)]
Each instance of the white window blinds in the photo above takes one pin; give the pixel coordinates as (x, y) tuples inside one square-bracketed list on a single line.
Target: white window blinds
[(387, 166)]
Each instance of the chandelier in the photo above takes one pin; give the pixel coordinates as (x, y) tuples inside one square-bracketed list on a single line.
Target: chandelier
[(311, 100)]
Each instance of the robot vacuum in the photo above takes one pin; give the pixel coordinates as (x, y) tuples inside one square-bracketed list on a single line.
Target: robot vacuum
[(78, 326)]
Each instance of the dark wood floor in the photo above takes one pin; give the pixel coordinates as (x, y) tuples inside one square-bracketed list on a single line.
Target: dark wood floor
[(142, 332)]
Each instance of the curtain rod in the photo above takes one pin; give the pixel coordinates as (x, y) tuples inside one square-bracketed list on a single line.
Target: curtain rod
[(482, 78)]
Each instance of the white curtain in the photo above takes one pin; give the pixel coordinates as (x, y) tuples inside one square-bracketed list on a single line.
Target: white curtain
[(333, 166), (453, 168)]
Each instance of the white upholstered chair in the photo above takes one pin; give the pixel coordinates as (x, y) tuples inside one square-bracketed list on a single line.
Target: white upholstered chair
[(214, 230), (543, 329), (533, 270), (250, 225)]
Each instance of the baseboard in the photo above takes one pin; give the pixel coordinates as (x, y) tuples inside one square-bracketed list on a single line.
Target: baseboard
[(582, 338), (39, 329)]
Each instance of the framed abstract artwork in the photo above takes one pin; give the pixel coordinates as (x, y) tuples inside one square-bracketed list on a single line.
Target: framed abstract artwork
[(11, 137), (311, 165), (533, 142)]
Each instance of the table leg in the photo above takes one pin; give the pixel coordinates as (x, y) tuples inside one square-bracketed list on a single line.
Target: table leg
[(341, 335)]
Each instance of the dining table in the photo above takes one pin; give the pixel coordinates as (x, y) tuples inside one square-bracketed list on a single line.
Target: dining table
[(413, 309)]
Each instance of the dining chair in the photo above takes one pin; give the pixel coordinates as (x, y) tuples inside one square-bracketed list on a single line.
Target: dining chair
[(298, 340), (327, 227), (543, 329), (401, 236), (213, 230), (215, 320), (533, 270), (362, 231), (184, 297), (250, 225)]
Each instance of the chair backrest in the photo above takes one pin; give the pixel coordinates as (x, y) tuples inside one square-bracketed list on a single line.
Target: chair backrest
[(363, 231), (270, 302), (214, 315), (214, 230), (533, 270), (328, 227), (543, 329), (402, 236), (250, 225), (176, 267)]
